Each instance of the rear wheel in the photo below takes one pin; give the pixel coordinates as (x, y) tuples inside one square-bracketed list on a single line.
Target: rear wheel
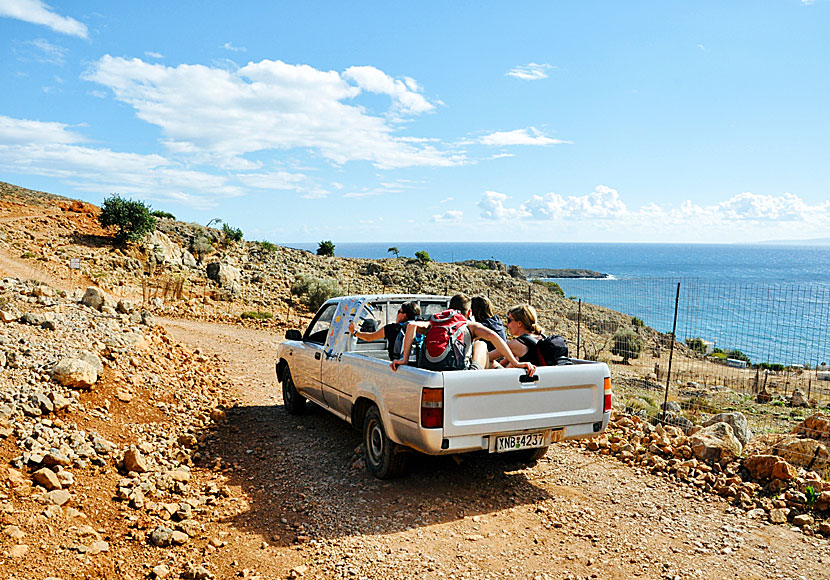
[(384, 458), (293, 401)]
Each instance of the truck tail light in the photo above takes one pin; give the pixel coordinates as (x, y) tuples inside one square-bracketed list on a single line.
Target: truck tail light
[(432, 408), (607, 404)]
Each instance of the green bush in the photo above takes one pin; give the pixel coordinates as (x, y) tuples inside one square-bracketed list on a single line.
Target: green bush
[(556, 288), (231, 234), (268, 247), (696, 344), (162, 214), (255, 315), (325, 248), (737, 355), (637, 322), (132, 219), (201, 246), (313, 292), (423, 257), (627, 344)]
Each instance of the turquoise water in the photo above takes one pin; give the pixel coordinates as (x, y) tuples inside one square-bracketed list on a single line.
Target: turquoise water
[(770, 302)]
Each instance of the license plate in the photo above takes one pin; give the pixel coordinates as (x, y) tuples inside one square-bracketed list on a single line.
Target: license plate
[(523, 441)]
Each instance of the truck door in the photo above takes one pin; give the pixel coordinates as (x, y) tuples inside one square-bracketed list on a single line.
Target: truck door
[(337, 377), (307, 368)]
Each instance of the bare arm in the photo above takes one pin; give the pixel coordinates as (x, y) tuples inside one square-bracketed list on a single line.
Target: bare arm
[(481, 331), (408, 337), (376, 335)]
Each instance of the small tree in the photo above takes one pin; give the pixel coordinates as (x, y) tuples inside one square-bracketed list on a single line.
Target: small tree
[(132, 219), (313, 292), (696, 344), (325, 248), (627, 344), (423, 257), (231, 234), (393, 250)]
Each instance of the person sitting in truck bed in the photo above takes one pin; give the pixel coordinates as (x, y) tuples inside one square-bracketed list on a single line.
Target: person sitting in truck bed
[(478, 358), (523, 325), (483, 312), (392, 332)]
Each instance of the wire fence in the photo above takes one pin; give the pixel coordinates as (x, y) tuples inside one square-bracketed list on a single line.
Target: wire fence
[(760, 349)]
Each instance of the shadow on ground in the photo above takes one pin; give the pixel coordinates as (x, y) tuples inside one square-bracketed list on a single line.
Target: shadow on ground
[(304, 479), (91, 240)]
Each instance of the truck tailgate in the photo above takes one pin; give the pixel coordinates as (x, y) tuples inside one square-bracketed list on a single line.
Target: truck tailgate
[(495, 401)]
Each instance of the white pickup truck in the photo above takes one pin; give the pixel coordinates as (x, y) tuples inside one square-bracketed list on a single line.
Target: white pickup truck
[(496, 410)]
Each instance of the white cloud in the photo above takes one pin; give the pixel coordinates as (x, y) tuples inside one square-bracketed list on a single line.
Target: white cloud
[(528, 136), (602, 203), (151, 54), (404, 93), (26, 132), (270, 105), (41, 50), (530, 72), (492, 207), (43, 148), (37, 12), (232, 48), (452, 216)]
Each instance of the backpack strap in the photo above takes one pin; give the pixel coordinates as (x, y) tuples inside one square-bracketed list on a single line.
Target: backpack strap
[(530, 342)]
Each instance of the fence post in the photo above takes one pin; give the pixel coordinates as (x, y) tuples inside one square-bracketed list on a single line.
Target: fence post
[(671, 352), (578, 325)]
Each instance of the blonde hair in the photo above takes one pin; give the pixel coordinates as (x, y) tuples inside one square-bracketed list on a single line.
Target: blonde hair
[(526, 315)]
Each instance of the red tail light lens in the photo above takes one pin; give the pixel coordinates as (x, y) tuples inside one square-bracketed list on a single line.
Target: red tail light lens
[(607, 403), (432, 408)]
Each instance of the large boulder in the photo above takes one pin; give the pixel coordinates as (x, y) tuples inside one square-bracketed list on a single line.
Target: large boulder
[(737, 421), (162, 249), (815, 427), (75, 372), (96, 298), (806, 453), (715, 443), (764, 467), (223, 274)]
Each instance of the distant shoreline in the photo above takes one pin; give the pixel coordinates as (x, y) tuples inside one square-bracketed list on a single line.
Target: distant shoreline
[(564, 273)]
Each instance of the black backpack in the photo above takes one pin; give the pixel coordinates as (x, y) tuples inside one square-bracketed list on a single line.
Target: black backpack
[(550, 350)]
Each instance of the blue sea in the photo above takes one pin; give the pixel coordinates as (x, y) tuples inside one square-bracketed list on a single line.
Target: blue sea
[(770, 302)]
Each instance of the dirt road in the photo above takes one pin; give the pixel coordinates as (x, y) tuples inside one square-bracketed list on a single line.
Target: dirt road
[(574, 515)]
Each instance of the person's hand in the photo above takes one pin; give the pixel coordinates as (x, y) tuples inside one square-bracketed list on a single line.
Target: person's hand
[(396, 363), (529, 368), (351, 327)]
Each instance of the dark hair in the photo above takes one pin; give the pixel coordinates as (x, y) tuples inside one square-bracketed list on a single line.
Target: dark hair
[(411, 309), (460, 302), (526, 315), (482, 308)]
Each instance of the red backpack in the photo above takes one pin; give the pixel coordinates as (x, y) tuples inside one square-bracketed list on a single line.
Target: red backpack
[(447, 344)]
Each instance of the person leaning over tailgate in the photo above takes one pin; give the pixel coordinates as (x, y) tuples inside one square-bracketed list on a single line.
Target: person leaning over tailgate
[(408, 311), (478, 333), (523, 325)]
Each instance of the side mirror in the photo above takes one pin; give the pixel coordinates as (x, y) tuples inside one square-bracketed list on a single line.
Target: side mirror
[(293, 334)]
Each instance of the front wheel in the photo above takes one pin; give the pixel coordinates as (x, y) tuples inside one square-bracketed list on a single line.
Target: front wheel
[(292, 400), (384, 458)]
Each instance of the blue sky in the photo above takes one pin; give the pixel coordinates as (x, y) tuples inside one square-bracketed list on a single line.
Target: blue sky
[(435, 121)]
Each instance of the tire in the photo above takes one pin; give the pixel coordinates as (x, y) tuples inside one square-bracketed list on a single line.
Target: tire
[(292, 400), (384, 458)]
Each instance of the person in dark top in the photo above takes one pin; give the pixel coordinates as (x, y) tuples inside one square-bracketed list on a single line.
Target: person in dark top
[(523, 325), (483, 312), (392, 332)]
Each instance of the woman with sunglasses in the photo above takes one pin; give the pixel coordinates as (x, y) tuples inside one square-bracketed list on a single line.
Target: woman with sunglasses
[(523, 325)]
